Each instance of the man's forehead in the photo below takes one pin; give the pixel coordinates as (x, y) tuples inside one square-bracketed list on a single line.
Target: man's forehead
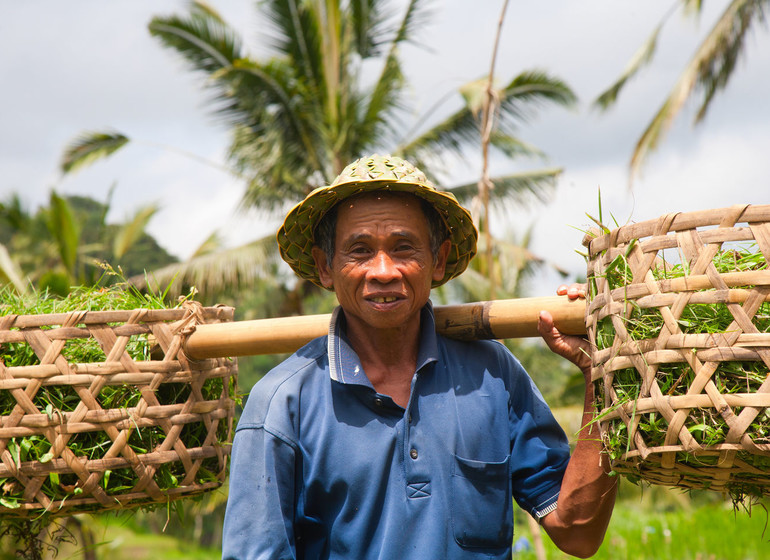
[(369, 209), (373, 201)]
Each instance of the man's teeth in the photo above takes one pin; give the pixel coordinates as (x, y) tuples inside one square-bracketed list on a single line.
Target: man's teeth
[(384, 299)]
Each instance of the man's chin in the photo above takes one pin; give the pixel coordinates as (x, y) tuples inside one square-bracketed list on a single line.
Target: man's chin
[(386, 307), (387, 316)]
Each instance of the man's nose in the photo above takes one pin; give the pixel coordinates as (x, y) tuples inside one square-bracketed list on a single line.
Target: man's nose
[(383, 269)]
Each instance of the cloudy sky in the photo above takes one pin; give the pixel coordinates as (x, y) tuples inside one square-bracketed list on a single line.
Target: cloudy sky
[(68, 67)]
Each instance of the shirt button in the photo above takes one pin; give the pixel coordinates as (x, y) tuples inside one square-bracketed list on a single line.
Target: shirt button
[(413, 453), (378, 402)]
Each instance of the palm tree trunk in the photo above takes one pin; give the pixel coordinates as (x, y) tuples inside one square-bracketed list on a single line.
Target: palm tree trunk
[(487, 125)]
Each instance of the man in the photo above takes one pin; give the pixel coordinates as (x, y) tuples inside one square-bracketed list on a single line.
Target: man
[(384, 439)]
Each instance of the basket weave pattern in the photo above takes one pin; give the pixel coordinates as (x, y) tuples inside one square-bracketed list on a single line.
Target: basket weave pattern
[(738, 461), (79, 479)]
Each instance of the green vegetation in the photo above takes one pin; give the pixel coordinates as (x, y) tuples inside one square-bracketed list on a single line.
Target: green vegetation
[(62, 244), (706, 425), (59, 400), (660, 524)]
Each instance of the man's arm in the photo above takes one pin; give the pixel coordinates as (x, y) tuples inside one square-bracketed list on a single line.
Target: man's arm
[(259, 519), (587, 495)]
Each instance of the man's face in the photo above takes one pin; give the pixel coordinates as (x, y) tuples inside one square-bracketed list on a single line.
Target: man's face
[(382, 267)]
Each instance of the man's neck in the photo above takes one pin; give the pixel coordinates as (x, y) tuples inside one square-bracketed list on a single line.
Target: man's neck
[(388, 356)]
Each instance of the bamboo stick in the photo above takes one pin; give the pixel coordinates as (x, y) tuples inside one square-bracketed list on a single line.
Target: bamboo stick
[(512, 318)]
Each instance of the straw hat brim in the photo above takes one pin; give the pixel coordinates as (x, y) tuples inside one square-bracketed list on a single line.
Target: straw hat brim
[(296, 235)]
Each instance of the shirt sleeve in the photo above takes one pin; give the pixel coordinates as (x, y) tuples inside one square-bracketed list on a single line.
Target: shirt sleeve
[(259, 519), (539, 448)]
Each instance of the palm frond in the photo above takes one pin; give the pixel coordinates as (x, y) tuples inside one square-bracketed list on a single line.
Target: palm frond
[(275, 138), (90, 147), (267, 92), (204, 39), (518, 101), (385, 98), (65, 230), (710, 69), (453, 134), (296, 32), (716, 60), (529, 91), (417, 16), (215, 272), (211, 244), (518, 188), (512, 146), (130, 232), (10, 271), (641, 58), (463, 129), (366, 24)]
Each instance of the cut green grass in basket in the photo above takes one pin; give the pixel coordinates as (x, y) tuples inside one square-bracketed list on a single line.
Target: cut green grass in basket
[(58, 400), (706, 425)]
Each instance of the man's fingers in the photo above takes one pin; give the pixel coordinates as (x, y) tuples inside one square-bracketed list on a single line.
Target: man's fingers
[(576, 291), (546, 329), (544, 322), (573, 291), (572, 348)]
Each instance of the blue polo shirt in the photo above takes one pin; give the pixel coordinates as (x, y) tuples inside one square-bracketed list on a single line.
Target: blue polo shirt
[(325, 467)]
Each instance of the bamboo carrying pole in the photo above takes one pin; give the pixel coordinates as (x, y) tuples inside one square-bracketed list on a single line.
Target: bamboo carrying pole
[(511, 318)]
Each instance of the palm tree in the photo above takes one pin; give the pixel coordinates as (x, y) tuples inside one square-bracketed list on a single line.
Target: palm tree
[(707, 73), (332, 89)]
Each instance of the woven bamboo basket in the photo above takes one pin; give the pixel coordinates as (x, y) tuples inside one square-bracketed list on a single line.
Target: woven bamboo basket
[(166, 438), (685, 404)]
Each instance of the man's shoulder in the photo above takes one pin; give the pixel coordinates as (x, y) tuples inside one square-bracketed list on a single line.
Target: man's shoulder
[(286, 381), (488, 349), (492, 355)]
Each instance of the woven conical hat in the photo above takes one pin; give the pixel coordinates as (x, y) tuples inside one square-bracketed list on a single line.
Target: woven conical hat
[(374, 173)]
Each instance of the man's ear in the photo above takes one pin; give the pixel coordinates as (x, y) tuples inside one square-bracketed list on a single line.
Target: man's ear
[(322, 265), (443, 253)]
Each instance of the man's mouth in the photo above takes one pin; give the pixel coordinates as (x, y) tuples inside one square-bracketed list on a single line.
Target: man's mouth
[(386, 299)]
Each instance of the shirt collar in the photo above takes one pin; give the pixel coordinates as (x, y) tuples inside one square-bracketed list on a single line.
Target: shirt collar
[(344, 364)]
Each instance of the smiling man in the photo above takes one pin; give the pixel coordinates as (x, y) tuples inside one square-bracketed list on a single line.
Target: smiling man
[(386, 440)]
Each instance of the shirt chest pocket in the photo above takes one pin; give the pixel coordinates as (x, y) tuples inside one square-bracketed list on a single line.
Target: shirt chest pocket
[(481, 504)]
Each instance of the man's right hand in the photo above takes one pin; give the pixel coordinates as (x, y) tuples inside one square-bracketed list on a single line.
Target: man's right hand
[(573, 348)]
